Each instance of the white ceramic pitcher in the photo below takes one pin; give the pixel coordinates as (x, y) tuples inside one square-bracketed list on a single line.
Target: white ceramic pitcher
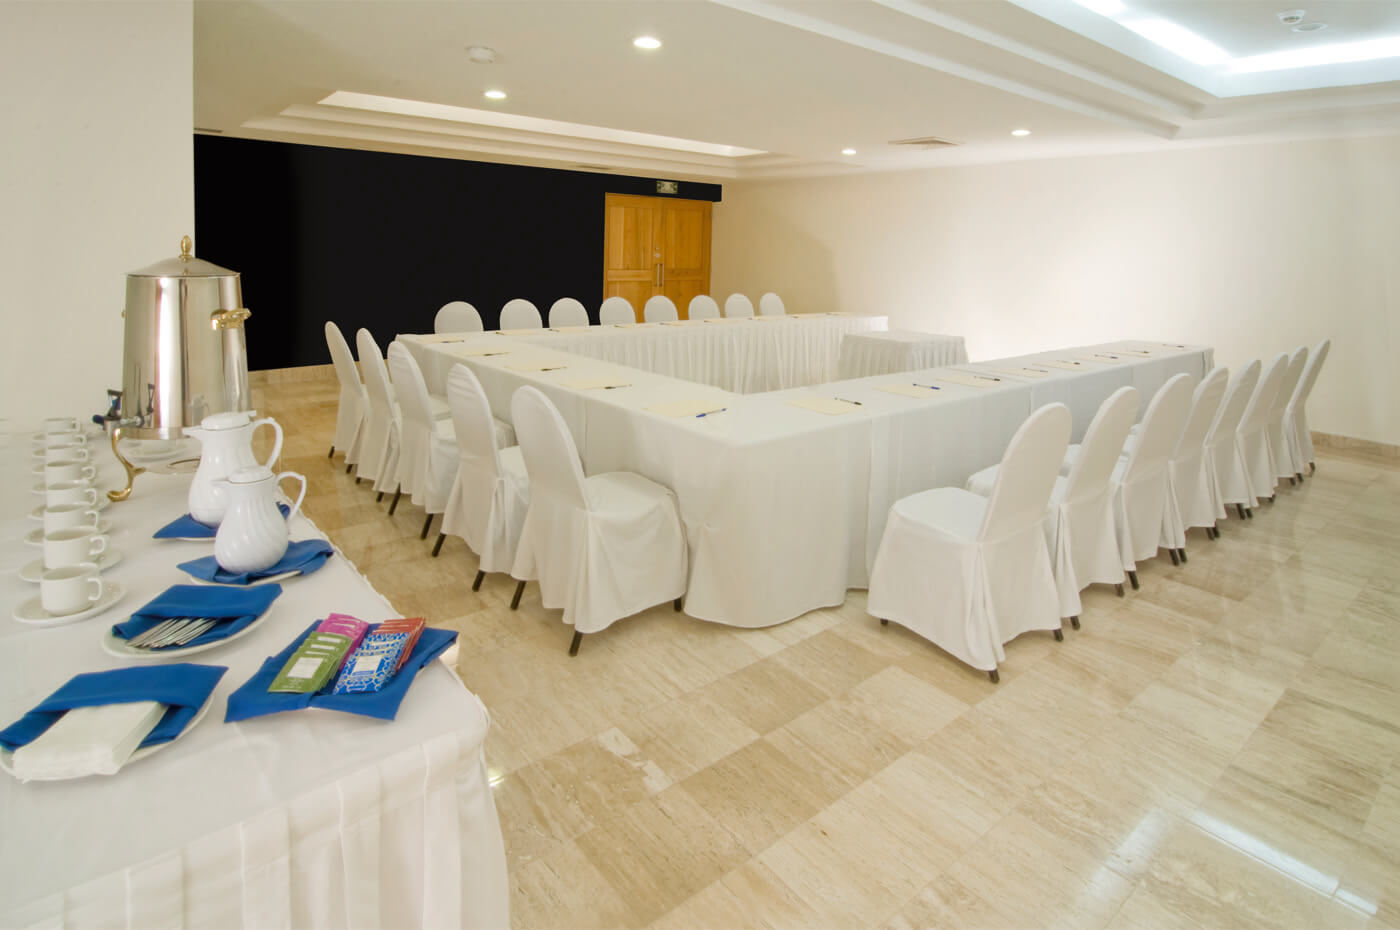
[(253, 535), (227, 445)]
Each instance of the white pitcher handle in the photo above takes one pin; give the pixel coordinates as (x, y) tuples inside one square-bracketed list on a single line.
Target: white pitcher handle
[(276, 443), (302, 478)]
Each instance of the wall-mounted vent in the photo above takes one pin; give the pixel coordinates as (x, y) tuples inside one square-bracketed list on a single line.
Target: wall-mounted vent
[(926, 142)]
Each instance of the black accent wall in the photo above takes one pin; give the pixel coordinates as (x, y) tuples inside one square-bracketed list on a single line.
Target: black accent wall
[(382, 241)]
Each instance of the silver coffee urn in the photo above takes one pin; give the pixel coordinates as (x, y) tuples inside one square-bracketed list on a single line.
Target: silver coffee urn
[(185, 356)]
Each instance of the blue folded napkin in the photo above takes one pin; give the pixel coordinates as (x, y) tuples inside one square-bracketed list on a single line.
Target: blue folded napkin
[(252, 699), (187, 527), (304, 555), (184, 687), (236, 607)]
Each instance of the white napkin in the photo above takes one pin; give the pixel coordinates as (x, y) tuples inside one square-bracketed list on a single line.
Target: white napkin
[(88, 741)]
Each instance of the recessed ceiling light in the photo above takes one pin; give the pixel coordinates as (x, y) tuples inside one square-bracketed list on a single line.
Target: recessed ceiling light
[(848, 151), (1020, 132), (1179, 41), (1309, 27), (481, 55), (495, 95), (646, 42)]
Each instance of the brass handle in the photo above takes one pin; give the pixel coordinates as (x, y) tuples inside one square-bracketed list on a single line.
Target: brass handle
[(131, 470), (656, 277), (228, 319)]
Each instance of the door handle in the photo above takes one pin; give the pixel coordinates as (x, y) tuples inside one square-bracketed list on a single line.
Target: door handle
[(656, 278)]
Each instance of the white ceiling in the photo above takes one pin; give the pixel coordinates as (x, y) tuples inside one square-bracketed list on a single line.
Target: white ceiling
[(798, 80)]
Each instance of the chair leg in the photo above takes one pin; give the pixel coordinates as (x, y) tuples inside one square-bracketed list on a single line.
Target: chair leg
[(379, 497), (1240, 508), (1249, 512), (476, 585), (677, 605), (394, 505), (426, 524), (519, 590), (884, 623), (1292, 481), (1132, 579), (437, 547), (331, 454), (1271, 498), (1118, 589), (994, 675), (1312, 468), (1059, 636), (1074, 622), (1182, 552), (1176, 559), (1299, 476), (573, 646), (348, 466), (357, 477)]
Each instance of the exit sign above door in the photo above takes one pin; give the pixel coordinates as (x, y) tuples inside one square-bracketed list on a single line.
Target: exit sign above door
[(668, 187)]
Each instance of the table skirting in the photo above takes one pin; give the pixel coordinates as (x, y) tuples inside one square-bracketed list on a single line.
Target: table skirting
[(884, 353)]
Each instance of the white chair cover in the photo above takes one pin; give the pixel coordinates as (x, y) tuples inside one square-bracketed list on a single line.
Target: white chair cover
[(519, 313), (457, 317), (354, 402), (970, 573), (602, 548), (379, 451), (427, 462), (1190, 482), (616, 310), (1222, 448), (1142, 501), (702, 307), (1079, 523), (659, 309), (491, 493), (1280, 449), (1252, 437), (771, 304), (1295, 418), (566, 311), (738, 305)]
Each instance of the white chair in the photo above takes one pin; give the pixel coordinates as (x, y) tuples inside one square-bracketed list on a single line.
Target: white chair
[(457, 317), (567, 312), (380, 448), (491, 493), (616, 310), (771, 304), (1222, 449), (603, 547), (1280, 449), (737, 305), (427, 462), (354, 402), (702, 307), (1079, 520), (519, 313), (969, 573), (1295, 418), (659, 309), (1252, 438), (1190, 484)]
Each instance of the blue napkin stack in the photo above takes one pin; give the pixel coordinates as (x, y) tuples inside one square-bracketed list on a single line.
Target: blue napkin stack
[(184, 687), (187, 527), (235, 606), (304, 555), (252, 698)]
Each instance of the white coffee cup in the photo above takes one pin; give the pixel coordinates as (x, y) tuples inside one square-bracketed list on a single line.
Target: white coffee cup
[(65, 452), (61, 425), (70, 517), (60, 439), (68, 470), (70, 492), (70, 589), (72, 547)]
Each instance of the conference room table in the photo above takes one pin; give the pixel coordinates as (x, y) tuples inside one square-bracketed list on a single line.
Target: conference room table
[(784, 494), (740, 354), (312, 818), (884, 353)]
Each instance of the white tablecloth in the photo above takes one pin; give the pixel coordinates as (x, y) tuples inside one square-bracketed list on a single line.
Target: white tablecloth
[(876, 353), (306, 819), (783, 506), (740, 355)]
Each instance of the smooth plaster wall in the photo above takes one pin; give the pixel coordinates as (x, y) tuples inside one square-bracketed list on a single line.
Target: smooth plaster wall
[(96, 179), (1252, 249)]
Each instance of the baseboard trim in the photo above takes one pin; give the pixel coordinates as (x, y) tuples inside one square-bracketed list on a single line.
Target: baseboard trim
[(287, 375), (1331, 441)]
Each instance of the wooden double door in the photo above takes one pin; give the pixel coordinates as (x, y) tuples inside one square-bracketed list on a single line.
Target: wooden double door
[(656, 245)]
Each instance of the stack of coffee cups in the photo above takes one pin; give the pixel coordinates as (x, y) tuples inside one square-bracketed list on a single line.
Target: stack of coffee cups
[(75, 549)]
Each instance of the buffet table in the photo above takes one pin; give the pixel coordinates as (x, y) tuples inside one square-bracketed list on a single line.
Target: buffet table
[(784, 505), (744, 355), (306, 819), (884, 353)]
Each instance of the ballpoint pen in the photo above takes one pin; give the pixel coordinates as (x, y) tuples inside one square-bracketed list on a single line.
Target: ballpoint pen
[(708, 412), (931, 387), (845, 401)]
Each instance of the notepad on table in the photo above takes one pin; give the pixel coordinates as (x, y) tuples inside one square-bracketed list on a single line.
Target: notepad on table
[(1064, 363), (570, 329), (908, 390), (1141, 352), (1104, 357), (827, 405), (477, 351), (727, 319), (678, 322), (527, 331), (632, 325), (687, 408), (536, 366), (589, 384), (977, 381), (1021, 372)]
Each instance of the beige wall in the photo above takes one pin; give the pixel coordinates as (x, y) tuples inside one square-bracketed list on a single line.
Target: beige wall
[(96, 179), (1253, 249)]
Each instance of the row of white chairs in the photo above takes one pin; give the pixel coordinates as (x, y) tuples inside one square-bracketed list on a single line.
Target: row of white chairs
[(972, 568), (461, 317)]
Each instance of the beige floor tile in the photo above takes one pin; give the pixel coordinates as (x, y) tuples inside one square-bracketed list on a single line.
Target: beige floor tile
[(750, 896), (565, 890), (688, 734), (764, 695)]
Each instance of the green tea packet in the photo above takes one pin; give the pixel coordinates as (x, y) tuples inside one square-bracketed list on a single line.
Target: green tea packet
[(312, 665)]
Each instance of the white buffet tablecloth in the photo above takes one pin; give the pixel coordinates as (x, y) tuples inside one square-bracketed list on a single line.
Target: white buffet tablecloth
[(884, 353), (306, 819), (740, 355), (783, 506)]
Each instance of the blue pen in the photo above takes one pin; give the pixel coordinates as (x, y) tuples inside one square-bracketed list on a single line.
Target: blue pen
[(708, 412), (931, 387)]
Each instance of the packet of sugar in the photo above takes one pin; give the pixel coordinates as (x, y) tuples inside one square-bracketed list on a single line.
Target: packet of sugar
[(413, 626), (312, 664), (373, 664)]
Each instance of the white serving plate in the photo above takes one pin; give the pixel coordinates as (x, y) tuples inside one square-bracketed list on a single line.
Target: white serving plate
[(32, 610), (116, 646)]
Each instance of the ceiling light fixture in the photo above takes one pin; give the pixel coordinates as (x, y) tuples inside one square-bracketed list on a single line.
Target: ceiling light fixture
[(848, 151), (1020, 132), (1179, 40), (1309, 27), (495, 95), (481, 55), (647, 42)]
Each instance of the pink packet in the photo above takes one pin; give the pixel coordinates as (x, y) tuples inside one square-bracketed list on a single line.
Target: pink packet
[(345, 625)]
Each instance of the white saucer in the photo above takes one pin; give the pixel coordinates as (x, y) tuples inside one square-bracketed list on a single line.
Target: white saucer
[(116, 646), (34, 570), (32, 611), (280, 576), (7, 760), (38, 512), (36, 537)]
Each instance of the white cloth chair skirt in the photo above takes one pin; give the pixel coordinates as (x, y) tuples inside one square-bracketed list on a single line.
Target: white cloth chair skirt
[(660, 309), (354, 402), (1280, 449), (457, 317), (427, 462), (380, 448), (519, 313), (970, 573), (566, 311), (702, 307), (771, 304), (1252, 437), (616, 310), (1143, 503), (1222, 452), (603, 547), (737, 305), (1295, 418), (1191, 484)]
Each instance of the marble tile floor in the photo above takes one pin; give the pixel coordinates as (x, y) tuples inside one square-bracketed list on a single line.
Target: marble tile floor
[(1220, 749)]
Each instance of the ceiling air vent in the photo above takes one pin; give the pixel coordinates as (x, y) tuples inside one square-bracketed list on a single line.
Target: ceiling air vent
[(927, 142)]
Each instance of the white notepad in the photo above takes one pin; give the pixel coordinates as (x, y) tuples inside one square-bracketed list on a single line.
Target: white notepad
[(827, 405), (589, 384), (528, 331), (536, 366), (727, 319), (908, 390), (1020, 372), (571, 329), (678, 322), (687, 408), (1064, 363), (632, 325), (478, 351), (977, 381), (1105, 358)]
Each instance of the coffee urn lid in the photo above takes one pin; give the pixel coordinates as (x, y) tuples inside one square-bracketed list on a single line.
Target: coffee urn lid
[(185, 265)]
